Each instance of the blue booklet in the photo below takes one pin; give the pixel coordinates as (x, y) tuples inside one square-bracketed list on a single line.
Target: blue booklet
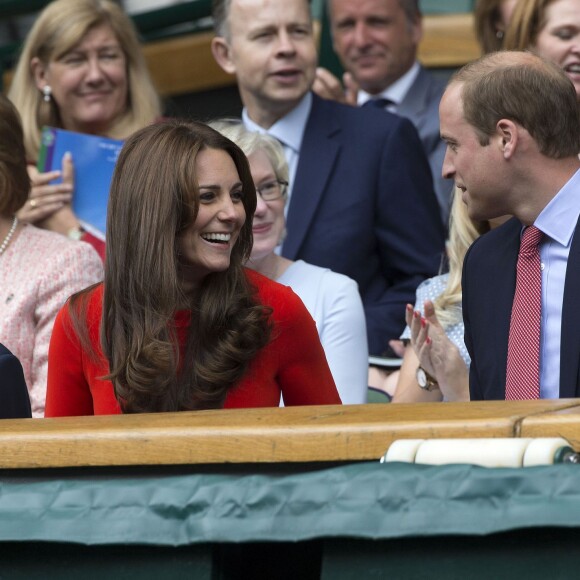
[(93, 159)]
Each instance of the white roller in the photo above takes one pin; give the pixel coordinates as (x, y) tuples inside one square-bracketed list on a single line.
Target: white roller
[(484, 452), (541, 451), (402, 450), (491, 452)]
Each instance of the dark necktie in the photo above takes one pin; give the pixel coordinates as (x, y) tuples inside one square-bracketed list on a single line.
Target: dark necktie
[(380, 103), (523, 359)]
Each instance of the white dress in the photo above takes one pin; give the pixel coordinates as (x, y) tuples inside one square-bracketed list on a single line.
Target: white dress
[(334, 302)]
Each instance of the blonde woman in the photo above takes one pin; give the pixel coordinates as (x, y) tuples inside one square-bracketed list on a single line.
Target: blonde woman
[(435, 364), (81, 69)]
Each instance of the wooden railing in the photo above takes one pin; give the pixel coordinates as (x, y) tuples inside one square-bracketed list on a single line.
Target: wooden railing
[(292, 434)]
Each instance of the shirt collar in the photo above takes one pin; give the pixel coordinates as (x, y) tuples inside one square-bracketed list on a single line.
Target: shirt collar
[(559, 218), (290, 128), (395, 92)]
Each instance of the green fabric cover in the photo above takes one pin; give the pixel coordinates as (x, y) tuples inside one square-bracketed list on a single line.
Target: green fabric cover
[(364, 500)]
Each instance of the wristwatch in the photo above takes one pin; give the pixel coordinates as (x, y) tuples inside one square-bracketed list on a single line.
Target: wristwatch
[(426, 381)]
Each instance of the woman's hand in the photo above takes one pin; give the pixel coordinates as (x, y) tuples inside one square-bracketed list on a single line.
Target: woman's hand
[(437, 354), (48, 205)]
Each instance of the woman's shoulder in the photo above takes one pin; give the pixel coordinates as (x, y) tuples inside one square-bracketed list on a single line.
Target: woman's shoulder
[(51, 244), (88, 304), (431, 288), (266, 288), (282, 299), (308, 278), (321, 289), (321, 275)]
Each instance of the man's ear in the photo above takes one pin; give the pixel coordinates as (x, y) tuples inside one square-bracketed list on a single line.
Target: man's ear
[(39, 73), (507, 137), (417, 30), (222, 54)]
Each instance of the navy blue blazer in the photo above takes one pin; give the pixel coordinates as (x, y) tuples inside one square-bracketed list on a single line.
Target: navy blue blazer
[(363, 205), (421, 106), (489, 282), (14, 400)]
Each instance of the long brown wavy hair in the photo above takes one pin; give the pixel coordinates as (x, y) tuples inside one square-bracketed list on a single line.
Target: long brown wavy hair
[(154, 197)]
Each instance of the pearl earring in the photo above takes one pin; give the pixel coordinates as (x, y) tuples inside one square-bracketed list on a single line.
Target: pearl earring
[(47, 92)]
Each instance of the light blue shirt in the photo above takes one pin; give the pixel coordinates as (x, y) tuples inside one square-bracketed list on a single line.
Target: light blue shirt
[(557, 221), (289, 130), (395, 92)]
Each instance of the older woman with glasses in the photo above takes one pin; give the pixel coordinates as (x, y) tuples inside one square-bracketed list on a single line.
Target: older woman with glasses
[(332, 299)]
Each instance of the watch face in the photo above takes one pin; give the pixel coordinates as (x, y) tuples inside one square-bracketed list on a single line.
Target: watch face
[(421, 378)]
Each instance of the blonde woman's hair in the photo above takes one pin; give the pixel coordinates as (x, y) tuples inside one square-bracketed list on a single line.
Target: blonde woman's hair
[(527, 21), (250, 142), (463, 231), (60, 27)]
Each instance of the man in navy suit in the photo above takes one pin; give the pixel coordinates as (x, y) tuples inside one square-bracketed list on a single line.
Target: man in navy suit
[(361, 200), (14, 400), (377, 43), (510, 121)]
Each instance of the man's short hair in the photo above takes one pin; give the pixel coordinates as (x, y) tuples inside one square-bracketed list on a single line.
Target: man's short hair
[(526, 89), (410, 8), (220, 10)]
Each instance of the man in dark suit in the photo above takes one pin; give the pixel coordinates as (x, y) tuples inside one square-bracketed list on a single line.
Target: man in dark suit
[(14, 400), (510, 121), (361, 200), (377, 43)]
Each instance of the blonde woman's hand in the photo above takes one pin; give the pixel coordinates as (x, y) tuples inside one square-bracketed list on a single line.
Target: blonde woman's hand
[(48, 204), (437, 354)]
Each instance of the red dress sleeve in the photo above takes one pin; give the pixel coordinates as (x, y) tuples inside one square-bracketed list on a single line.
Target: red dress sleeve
[(75, 376), (68, 392), (293, 363), (303, 374)]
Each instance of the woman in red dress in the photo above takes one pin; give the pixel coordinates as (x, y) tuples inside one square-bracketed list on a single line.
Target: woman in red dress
[(179, 323)]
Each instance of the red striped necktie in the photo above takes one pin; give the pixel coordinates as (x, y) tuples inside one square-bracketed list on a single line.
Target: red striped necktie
[(523, 359)]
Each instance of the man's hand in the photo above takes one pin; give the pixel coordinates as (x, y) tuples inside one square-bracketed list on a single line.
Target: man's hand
[(327, 86)]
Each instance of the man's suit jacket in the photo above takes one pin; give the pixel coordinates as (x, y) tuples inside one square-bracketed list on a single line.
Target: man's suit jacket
[(489, 282), (421, 106), (14, 400), (363, 205)]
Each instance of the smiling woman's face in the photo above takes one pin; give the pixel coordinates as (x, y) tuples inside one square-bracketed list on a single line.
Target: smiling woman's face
[(206, 246), (559, 38), (89, 83), (268, 224)]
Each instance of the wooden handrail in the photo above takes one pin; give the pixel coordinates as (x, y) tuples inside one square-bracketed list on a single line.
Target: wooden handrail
[(270, 435), (449, 41)]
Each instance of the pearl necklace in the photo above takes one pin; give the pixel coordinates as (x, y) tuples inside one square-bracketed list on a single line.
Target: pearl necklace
[(9, 235)]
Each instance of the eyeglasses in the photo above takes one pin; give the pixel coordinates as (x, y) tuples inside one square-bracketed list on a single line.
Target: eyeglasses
[(273, 190)]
